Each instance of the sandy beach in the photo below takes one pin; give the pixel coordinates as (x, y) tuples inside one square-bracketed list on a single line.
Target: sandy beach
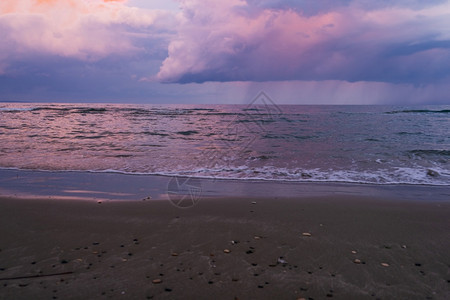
[(341, 247)]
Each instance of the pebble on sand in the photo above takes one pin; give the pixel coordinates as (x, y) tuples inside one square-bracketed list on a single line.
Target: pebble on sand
[(385, 264), (281, 260), (354, 252), (226, 250), (306, 234), (357, 261), (156, 281), (174, 254)]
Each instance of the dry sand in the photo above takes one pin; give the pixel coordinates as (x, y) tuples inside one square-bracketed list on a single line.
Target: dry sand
[(337, 247)]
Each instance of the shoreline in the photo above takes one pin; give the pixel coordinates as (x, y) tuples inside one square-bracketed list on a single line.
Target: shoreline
[(104, 186)]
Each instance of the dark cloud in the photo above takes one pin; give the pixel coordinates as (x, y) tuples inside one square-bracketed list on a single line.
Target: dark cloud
[(356, 43)]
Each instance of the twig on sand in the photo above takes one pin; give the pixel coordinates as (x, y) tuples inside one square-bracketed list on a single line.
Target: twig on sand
[(36, 276)]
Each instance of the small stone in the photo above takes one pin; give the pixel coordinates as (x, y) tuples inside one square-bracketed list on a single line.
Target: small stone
[(357, 261), (157, 280), (432, 173), (306, 234), (99, 201), (385, 264), (404, 246), (354, 252), (226, 250), (256, 237), (174, 254), (280, 260), (253, 202)]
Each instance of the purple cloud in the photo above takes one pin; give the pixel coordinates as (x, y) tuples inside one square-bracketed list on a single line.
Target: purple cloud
[(275, 41)]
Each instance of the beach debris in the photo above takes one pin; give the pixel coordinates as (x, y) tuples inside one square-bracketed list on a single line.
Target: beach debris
[(36, 276), (306, 234), (157, 281), (281, 260), (385, 264), (226, 250), (357, 261), (306, 175), (432, 173)]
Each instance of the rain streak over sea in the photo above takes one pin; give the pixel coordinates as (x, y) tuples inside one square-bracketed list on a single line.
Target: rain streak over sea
[(359, 144)]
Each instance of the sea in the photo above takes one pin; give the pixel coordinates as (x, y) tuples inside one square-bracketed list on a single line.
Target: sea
[(260, 141)]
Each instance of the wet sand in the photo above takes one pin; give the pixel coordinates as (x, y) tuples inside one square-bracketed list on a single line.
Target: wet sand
[(340, 247)]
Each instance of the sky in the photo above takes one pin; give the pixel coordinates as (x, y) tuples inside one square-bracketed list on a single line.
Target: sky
[(214, 51)]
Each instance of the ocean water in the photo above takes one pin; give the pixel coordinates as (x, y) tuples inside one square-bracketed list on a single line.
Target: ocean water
[(259, 141)]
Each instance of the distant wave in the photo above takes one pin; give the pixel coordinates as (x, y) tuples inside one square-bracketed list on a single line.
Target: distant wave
[(80, 110), (14, 109), (431, 152), (442, 111)]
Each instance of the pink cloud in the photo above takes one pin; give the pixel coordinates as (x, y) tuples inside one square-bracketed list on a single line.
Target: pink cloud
[(82, 29), (235, 41)]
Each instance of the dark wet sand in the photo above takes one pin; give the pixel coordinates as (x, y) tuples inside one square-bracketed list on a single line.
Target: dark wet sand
[(358, 248)]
